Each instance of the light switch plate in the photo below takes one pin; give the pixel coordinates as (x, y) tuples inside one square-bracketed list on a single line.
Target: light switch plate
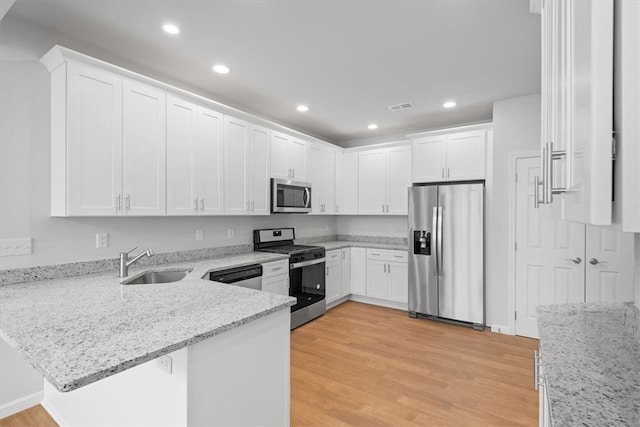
[(10, 247)]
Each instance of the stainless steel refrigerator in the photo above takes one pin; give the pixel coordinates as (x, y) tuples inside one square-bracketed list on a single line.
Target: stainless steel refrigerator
[(446, 253)]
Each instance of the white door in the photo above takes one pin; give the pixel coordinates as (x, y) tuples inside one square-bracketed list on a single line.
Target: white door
[(280, 167), (260, 161), (236, 148), (428, 159), (181, 157), (399, 281), (609, 263), (210, 162), (372, 182), (398, 180), (143, 149), (549, 255), (465, 156), (333, 279), (94, 142)]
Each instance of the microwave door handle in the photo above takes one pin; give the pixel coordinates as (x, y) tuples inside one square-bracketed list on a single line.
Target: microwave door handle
[(307, 194)]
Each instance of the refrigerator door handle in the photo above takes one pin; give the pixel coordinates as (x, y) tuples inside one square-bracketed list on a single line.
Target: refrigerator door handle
[(434, 240), (439, 242)]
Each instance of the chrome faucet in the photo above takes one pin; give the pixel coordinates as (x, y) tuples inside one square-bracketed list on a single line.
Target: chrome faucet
[(125, 262)]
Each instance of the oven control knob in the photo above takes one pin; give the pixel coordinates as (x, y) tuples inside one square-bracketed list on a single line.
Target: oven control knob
[(318, 286)]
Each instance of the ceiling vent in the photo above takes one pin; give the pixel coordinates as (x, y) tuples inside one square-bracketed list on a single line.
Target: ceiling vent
[(399, 107)]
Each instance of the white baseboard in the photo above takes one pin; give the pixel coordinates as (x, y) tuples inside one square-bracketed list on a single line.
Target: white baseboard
[(21, 404), (52, 412), (337, 302), (500, 329), (380, 302)]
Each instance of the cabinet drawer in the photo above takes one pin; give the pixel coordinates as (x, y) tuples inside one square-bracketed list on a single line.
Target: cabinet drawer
[(387, 255), (333, 255), (275, 268)]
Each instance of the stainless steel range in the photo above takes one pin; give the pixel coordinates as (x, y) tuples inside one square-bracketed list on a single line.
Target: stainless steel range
[(306, 271)]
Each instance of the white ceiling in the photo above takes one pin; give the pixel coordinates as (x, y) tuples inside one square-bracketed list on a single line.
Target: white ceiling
[(347, 60)]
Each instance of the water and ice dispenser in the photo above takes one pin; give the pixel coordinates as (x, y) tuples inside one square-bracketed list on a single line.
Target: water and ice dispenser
[(422, 242)]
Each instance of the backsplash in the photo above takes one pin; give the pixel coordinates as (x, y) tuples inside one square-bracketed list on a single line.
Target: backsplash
[(374, 239)]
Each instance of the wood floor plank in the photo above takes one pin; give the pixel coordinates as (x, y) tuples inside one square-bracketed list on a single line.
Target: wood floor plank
[(362, 365)]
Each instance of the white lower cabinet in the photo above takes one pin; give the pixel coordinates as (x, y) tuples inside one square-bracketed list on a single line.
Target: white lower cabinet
[(387, 275), (544, 411), (333, 280), (345, 271), (358, 271), (275, 277)]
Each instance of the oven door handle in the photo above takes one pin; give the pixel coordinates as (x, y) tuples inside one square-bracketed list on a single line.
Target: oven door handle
[(306, 263)]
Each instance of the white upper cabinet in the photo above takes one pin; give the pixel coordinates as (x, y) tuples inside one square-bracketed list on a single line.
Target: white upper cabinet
[(383, 178), (260, 163), (194, 159), (288, 157), (108, 143), (143, 149), (86, 138), (246, 168), (577, 109), (322, 176), (457, 156), (346, 183)]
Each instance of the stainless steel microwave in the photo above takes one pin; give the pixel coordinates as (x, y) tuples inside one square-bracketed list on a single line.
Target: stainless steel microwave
[(290, 196)]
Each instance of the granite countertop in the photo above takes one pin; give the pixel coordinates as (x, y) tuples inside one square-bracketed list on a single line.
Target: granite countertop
[(591, 360), (339, 244), (78, 330)]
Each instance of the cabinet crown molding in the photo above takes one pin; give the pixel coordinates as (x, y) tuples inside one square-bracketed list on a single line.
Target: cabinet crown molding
[(480, 126)]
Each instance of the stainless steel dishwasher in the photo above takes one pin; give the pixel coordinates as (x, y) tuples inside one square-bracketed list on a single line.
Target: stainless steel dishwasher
[(247, 276)]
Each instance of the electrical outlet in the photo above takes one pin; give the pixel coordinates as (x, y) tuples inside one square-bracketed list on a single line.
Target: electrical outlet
[(230, 233), (102, 240), (9, 247), (199, 234), (165, 363)]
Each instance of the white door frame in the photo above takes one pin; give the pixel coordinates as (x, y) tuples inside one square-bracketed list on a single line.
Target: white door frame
[(511, 283)]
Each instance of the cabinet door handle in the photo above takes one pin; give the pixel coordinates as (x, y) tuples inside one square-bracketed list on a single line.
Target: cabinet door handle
[(128, 202), (248, 205), (195, 204), (118, 206), (382, 208), (337, 208), (387, 208), (252, 206), (385, 267), (442, 172), (327, 270), (448, 173), (389, 268), (202, 205), (276, 269), (293, 174)]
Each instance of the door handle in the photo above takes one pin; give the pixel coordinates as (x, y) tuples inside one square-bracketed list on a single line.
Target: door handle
[(434, 240), (576, 260), (307, 194), (594, 261)]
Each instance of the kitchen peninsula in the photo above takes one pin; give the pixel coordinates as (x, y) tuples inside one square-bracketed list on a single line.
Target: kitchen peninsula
[(192, 352)]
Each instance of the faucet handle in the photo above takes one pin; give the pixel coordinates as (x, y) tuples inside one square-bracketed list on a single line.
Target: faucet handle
[(129, 251)]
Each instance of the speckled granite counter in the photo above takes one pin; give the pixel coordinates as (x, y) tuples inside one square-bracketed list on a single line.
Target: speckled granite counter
[(339, 244), (591, 360), (81, 329)]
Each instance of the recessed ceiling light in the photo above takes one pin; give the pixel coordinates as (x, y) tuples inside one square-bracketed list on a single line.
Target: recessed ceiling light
[(221, 69), (449, 104), (171, 29), (302, 108), (373, 126)]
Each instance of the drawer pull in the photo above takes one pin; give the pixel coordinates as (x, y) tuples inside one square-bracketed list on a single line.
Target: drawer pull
[(276, 269)]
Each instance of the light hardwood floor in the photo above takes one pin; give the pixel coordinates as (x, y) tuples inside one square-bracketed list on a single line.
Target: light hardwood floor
[(362, 365)]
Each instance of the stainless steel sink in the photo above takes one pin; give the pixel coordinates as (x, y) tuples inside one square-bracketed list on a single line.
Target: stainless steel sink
[(158, 277)]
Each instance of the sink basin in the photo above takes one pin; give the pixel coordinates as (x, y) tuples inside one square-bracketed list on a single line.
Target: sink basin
[(158, 277)]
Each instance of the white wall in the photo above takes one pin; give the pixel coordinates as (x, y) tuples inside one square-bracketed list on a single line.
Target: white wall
[(516, 124), (378, 226), (20, 384)]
